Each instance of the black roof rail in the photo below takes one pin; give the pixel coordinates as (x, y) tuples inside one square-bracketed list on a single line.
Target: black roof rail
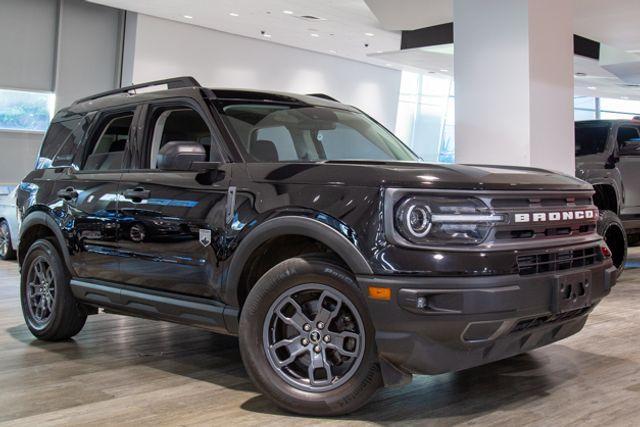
[(323, 96), (172, 83)]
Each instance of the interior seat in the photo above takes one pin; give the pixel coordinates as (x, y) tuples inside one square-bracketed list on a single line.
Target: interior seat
[(264, 150)]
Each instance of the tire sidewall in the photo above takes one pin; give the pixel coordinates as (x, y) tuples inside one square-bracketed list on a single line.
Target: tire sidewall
[(48, 251), (288, 274)]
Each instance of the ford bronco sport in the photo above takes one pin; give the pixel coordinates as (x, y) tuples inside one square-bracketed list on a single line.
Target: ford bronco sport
[(608, 157), (301, 225)]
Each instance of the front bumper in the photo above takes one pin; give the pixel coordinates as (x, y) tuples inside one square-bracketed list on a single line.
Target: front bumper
[(434, 325)]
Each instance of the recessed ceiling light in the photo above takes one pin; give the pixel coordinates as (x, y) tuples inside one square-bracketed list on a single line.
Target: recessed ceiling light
[(188, 16), (624, 97), (592, 87), (378, 51), (580, 74), (387, 65), (233, 14), (444, 70), (287, 12), (369, 34), (332, 51), (314, 35)]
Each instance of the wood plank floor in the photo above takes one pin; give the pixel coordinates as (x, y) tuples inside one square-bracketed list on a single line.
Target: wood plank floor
[(128, 371)]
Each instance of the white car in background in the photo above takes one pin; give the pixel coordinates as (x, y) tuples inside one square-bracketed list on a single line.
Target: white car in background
[(8, 226)]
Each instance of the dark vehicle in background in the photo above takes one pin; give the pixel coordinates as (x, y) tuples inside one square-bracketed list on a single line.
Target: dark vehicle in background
[(306, 228), (608, 157)]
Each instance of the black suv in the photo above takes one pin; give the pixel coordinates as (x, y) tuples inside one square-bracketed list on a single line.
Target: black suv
[(608, 157), (306, 228)]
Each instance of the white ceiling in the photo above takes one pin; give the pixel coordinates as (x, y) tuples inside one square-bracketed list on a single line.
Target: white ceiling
[(343, 26), (341, 30)]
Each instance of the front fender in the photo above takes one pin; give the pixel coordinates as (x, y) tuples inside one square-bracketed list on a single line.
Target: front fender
[(315, 228)]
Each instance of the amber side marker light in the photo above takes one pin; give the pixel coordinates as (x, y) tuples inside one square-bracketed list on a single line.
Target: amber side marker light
[(381, 294)]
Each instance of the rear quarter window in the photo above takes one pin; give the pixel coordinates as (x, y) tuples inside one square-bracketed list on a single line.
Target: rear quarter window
[(61, 143)]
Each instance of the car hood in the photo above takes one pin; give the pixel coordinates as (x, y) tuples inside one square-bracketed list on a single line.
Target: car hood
[(415, 175)]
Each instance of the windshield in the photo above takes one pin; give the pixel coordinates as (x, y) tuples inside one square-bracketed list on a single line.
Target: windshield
[(293, 133), (591, 138)]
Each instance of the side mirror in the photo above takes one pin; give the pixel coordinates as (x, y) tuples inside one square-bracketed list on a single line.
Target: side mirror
[(630, 147), (179, 155)]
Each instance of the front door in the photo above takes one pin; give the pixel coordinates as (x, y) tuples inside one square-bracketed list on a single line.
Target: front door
[(172, 223)]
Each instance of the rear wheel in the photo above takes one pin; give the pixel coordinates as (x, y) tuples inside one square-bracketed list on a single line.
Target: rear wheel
[(306, 339), (611, 229), (48, 306), (6, 246)]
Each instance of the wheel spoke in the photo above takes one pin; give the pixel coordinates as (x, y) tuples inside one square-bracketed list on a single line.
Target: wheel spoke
[(293, 346), (338, 339), (39, 270), (319, 362), (326, 315), (298, 319), (35, 290)]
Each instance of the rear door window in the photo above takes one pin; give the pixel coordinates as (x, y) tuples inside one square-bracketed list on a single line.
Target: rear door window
[(108, 148)]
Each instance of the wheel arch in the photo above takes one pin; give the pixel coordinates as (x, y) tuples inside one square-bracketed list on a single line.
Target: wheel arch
[(305, 227), (606, 197), (38, 224)]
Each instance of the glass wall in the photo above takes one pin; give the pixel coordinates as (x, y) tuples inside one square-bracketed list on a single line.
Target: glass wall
[(426, 114), (25, 111)]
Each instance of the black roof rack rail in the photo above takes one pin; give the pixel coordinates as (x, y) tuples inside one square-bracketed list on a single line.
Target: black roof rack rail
[(323, 96), (172, 83)]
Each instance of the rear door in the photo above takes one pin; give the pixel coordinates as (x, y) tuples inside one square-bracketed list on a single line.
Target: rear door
[(88, 168), (628, 135), (172, 223)]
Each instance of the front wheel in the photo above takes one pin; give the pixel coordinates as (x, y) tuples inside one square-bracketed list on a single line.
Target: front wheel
[(307, 341), (611, 229)]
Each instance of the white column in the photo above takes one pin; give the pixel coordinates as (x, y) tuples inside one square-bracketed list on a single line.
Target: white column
[(514, 83)]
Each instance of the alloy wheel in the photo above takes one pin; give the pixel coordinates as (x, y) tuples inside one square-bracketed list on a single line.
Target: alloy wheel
[(41, 291), (4, 239), (313, 337)]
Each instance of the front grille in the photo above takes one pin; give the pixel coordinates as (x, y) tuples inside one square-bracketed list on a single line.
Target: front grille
[(557, 261), (536, 322)]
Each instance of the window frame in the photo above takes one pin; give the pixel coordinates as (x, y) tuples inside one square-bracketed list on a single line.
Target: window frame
[(147, 123)]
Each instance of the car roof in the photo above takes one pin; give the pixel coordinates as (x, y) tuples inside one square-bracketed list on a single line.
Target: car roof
[(128, 98)]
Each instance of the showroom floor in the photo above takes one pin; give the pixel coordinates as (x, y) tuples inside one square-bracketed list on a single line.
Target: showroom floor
[(123, 370)]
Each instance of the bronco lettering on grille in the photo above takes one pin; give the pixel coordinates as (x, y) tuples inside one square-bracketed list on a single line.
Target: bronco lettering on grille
[(554, 216)]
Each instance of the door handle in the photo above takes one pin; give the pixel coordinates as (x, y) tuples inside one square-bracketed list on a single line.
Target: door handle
[(68, 193), (137, 194)]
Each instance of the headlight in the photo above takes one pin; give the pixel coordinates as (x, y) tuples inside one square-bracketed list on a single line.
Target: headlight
[(443, 220)]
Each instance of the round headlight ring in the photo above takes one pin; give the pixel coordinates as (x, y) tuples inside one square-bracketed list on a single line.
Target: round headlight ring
[(418, 220)]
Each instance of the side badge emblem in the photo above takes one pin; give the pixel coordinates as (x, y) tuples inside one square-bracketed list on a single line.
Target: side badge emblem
[(205, 237)]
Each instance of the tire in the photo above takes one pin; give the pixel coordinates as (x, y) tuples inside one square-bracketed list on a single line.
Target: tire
[(611, 229), (51, 312), (357, 376), (6, 247)]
